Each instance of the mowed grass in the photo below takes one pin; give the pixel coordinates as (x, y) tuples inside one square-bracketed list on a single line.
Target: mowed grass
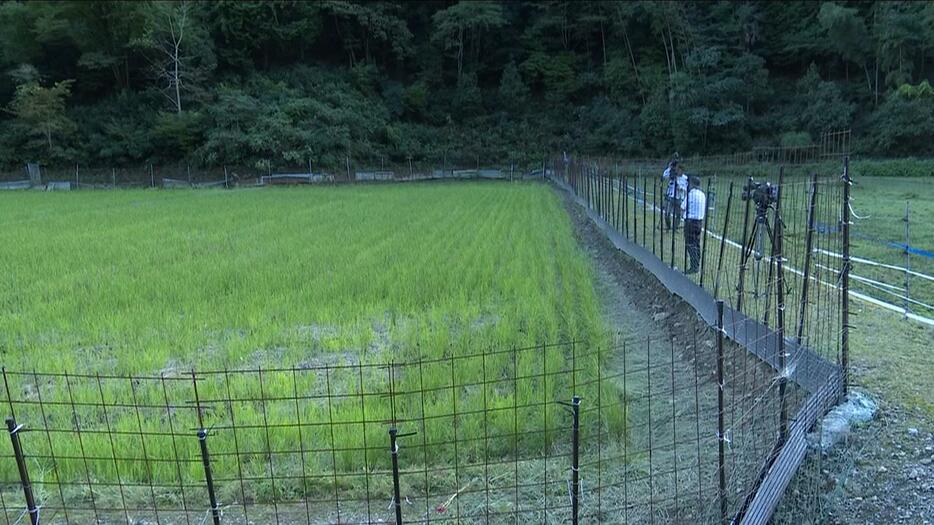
[(880, 203), (156, 283), (893, 355)]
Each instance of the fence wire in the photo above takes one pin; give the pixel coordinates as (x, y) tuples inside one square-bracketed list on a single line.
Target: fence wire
[(649, 430)]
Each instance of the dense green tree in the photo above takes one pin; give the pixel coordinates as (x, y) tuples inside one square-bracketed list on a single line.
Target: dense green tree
[(512, 90), (40, 121), (288, 82), (460, 28)]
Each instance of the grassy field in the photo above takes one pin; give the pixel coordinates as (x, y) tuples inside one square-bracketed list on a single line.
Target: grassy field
[(880, 203), (155, 283), (890, 354)]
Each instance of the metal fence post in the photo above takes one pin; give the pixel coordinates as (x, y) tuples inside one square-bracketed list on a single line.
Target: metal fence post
[(675, 221), (208, 476), (721, 460), (742, 265), (645, 203), (394, 451), (635, 210), (152, 179), (723, 236), (780, 313), (907, 257), (808, 246), (14, 429), (663, 205), (845, 279), (703, 256), (575, 460), (205, 458)]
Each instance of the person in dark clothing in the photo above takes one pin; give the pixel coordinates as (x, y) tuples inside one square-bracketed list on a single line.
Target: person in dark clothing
[(694, 207)]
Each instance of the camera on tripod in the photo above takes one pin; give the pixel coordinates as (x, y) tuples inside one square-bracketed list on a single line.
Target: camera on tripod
[(764, 194)]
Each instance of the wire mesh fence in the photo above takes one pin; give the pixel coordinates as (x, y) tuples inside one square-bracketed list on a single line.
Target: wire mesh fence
[(559, 433), (775, 250), (736, 259), (703, 428)]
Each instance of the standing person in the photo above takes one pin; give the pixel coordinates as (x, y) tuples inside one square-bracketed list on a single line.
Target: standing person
[(694, 205), (675, 190)]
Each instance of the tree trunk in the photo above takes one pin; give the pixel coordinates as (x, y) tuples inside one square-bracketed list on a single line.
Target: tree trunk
[(178, 92), (603, 41), (667, 56), (876, 102), (671, 40), (460, 51), (635, 68), (922, 62)]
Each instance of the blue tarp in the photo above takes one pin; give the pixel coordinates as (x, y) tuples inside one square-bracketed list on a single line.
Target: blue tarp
[(912, 250)]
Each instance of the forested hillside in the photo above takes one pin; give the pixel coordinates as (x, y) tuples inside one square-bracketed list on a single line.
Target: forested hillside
[(121, 83)]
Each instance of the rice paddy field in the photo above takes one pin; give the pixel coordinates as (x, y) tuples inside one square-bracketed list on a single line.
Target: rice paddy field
[(152, 281), (289, 304)]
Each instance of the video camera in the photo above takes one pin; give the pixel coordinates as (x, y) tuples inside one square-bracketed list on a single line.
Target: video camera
[(762, 193)]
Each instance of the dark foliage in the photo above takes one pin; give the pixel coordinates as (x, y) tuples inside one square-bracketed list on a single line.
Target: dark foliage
[(292, 82)]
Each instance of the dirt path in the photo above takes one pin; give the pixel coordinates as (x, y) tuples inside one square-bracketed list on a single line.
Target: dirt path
[(677, 398)]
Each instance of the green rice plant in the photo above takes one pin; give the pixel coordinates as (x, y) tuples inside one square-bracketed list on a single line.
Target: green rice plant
[(292, 300)]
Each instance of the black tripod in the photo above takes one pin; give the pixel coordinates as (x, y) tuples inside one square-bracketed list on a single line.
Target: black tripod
[(754, 243)]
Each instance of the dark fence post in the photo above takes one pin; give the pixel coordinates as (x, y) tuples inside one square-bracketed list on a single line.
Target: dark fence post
[(645, 204), (394, 451), (663, 205), (721, 460), (780, 313), (808, 245), (575, 460), (723, 238), (625, 183), (208, 476), (703, 256), (845, 279), (907, 221), (620, 197), (205, 457), (635, 209), (742, 258), (655, 208), (675, 220), (152, 179), (23, 472)]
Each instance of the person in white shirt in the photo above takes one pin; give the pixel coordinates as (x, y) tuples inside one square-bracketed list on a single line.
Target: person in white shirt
[(694, 206), (677, 183)]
